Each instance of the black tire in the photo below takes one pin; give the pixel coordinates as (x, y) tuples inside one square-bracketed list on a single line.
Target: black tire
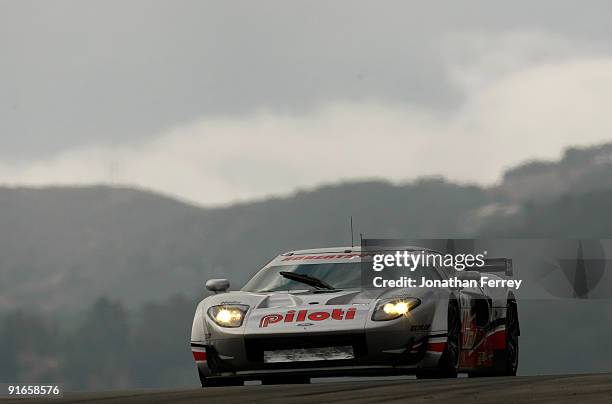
[(449, 361), (293, 379), (508, 361)]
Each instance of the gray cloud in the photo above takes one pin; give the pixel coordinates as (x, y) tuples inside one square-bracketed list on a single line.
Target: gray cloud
[(121, 77), (533, 110), (76, 73)]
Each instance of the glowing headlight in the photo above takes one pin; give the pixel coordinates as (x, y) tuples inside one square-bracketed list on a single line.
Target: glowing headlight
[(392, 309), (228, 315)]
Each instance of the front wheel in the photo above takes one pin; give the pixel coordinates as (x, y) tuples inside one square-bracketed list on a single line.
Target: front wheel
[(449, 361), (507, 363)]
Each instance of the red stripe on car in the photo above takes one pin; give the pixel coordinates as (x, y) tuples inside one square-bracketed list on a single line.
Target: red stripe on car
[(497, 340), (199, 356), (436, 346)]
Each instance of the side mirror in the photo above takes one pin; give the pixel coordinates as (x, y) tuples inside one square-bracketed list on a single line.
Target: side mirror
[(217, 285), (468, 276)]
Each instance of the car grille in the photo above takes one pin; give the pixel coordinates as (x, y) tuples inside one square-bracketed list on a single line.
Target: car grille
[(255, 346)]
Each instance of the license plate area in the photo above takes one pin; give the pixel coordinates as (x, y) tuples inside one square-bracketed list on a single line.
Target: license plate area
[(256, 346), (309, 354)]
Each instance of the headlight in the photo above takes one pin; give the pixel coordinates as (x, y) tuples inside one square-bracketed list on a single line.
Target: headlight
[(228, 315), (392, 309)]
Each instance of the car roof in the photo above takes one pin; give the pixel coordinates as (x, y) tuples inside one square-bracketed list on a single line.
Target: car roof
[(349, 249)]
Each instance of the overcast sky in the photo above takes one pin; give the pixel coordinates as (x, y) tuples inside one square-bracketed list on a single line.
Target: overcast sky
[(215, 102)]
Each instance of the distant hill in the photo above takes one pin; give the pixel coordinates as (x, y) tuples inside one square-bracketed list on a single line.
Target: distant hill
[(62, 247), (65, 245), (579, 170)]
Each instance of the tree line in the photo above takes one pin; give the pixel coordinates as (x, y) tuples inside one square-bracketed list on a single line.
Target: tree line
[(107, 347)]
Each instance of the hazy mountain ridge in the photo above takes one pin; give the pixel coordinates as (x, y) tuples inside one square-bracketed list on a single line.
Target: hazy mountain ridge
[(101, 267), (63, 247), (579, 170), (78, 243)]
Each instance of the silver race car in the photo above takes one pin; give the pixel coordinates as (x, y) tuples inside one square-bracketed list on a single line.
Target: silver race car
[(309, 314)]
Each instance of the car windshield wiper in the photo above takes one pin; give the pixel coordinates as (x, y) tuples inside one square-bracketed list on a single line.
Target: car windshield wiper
[(307, 280)]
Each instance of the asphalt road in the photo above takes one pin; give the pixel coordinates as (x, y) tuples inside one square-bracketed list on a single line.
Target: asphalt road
[(528, 389)]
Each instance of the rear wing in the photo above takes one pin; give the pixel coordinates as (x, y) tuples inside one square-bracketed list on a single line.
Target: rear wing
[(497, 265)]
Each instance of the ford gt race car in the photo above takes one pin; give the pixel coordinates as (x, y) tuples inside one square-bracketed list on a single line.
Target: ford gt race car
[(309, 314)]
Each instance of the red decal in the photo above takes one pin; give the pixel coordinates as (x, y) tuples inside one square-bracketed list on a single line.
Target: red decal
[(290, 316), (326, 257), (199, 356), (318, 316), (270, 319), (436, 346), (293, 258), (497, 340)]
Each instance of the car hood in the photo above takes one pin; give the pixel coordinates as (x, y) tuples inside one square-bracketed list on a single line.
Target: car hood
[(284, 312)]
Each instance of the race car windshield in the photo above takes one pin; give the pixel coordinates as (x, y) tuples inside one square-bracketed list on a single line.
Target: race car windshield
[(343, 275), (308, 280), (323, 276)]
